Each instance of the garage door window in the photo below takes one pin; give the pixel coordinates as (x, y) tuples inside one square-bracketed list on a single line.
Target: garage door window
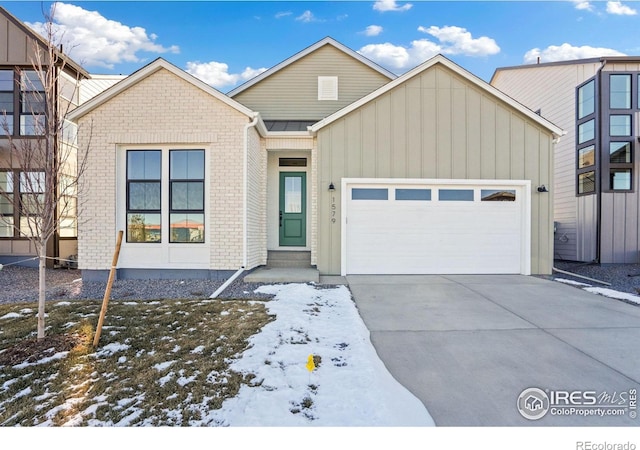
[(455, 195), (413, 194), (493, 195), (369, 194)]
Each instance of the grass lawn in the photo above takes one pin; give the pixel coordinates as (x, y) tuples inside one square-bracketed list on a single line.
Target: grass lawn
[(158, 362)]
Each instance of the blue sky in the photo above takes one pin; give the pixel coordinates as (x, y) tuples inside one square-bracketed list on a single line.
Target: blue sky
[(226, 43)]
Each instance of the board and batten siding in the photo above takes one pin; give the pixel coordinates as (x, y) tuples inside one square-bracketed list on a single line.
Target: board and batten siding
[(620, 218), (551, 89), (292, 92), (435, 125)]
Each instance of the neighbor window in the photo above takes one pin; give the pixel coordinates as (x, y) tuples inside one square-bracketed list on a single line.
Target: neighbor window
[(186, 195), (586, 131), (144, 171), (620, 91), (586, 99), (32, 104), (619, 125), (620, 152), (32, 189), (587, 182), (620, 179), (6, 204), (586, 157), (6, 101)]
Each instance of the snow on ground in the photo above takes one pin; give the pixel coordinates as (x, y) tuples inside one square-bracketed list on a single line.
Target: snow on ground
[(349, 387), (611, 293)]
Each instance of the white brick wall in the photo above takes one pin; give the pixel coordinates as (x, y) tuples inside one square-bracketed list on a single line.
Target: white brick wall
[(165, 109)]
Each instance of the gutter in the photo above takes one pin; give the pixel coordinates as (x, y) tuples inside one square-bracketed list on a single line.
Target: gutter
[(245, 201), (599, 165)]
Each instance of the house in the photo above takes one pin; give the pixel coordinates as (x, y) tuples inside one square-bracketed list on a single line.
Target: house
[(21, 113), (326, 154), (596, 100)]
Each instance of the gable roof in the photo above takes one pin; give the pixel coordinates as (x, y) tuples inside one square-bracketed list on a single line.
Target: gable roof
[(468, 76), (149, 70), (68, 62), (287, 62)]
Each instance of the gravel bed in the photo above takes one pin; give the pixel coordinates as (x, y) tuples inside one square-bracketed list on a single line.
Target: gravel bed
[(20, 284), (616, 274)]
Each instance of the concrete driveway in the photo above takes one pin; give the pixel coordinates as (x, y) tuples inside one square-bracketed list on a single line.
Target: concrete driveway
[(468, 346)]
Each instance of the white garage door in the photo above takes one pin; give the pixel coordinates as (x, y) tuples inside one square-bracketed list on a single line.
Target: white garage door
[(453, 227)]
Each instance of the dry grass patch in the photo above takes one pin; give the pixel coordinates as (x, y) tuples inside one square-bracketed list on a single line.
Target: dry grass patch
[(158, 363)]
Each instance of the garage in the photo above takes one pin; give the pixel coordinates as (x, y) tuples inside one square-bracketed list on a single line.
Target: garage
[(436, 227)]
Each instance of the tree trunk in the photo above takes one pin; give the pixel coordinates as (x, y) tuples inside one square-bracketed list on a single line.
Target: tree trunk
[(42, 288)]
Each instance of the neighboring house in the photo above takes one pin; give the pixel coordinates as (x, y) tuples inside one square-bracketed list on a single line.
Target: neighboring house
[(326, 153), (597, 102), (19, 86)]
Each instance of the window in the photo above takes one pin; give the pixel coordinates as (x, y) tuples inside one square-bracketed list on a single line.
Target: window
[(620, 179), (143, 195), (369, 194), (455, 195), (413, 194), (32, 188), (6, 101), (6, 204), (292, 162), (186, 195), (586, 131), (500, 195), (620, 152), (619, 91), (587, 182), (32, 104), (586, 157), (620, 125), (586, 99)]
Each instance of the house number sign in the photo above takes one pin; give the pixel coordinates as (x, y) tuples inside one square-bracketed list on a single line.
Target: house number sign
[(333, 209)]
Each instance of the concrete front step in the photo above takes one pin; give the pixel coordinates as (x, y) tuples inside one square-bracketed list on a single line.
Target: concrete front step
[(286, 259), (283, 275)]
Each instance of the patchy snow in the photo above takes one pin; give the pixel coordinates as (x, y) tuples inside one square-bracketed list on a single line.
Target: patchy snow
[(606, 292), (572, 283), (62, 304), (11, 315), (112, 348), (349, 387), (615, 294), (59, 355)]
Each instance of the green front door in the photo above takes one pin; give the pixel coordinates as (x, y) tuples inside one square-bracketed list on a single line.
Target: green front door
[(293, 209)]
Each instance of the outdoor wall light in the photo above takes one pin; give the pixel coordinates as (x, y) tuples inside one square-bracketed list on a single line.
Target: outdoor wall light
[(331, 187), (542, 188)]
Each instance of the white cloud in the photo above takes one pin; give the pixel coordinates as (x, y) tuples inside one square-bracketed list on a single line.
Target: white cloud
[(306, 17), (373, 30), (458, 40), (217, 74), (398, 57), (282, 14), (619, 9), (452, 41), (566, 52), (583, 5), (390, 5), (93, 40)]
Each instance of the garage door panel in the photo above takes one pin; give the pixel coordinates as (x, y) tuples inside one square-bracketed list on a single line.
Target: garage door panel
[(440, 237)]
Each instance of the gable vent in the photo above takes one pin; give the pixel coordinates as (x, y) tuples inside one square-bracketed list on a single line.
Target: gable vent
[(327, 88)]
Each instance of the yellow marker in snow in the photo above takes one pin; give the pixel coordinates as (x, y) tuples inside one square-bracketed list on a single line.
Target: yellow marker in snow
[(310, 364)]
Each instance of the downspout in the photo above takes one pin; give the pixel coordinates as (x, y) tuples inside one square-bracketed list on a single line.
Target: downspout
[(245, 202)]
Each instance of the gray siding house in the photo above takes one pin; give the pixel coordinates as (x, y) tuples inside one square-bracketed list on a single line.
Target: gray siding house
[(597, 205)]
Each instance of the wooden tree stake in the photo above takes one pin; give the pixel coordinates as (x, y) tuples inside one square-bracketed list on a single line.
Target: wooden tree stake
[(107, 293)]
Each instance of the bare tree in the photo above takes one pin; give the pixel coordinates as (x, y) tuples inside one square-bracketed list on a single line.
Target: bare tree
[(47, 164)]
